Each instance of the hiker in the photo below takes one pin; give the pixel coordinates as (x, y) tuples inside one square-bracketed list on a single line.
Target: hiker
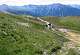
[(49, 25)]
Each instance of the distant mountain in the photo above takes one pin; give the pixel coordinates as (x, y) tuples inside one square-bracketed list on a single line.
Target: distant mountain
[(3, 7), (43, 10), (75, 6)]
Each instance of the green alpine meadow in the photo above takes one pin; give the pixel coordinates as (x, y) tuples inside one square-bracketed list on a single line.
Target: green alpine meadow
[(25, 35), (39, 27)]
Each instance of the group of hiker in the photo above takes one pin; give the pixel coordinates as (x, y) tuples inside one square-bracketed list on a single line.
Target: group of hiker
[(48, 25)]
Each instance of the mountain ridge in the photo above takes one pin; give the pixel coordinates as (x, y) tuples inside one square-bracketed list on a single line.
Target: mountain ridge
[(56, 9)]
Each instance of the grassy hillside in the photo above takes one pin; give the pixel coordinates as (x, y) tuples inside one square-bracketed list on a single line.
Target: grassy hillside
[(21, 35), (66, 22)]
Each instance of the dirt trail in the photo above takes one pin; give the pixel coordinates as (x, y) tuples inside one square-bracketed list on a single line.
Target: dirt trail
[(70, 35), (74, 37)]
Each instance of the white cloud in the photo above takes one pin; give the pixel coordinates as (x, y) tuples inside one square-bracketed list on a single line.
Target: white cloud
[(38, 2)]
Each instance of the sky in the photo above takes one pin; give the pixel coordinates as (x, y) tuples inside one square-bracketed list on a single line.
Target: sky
[(37, 2)]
